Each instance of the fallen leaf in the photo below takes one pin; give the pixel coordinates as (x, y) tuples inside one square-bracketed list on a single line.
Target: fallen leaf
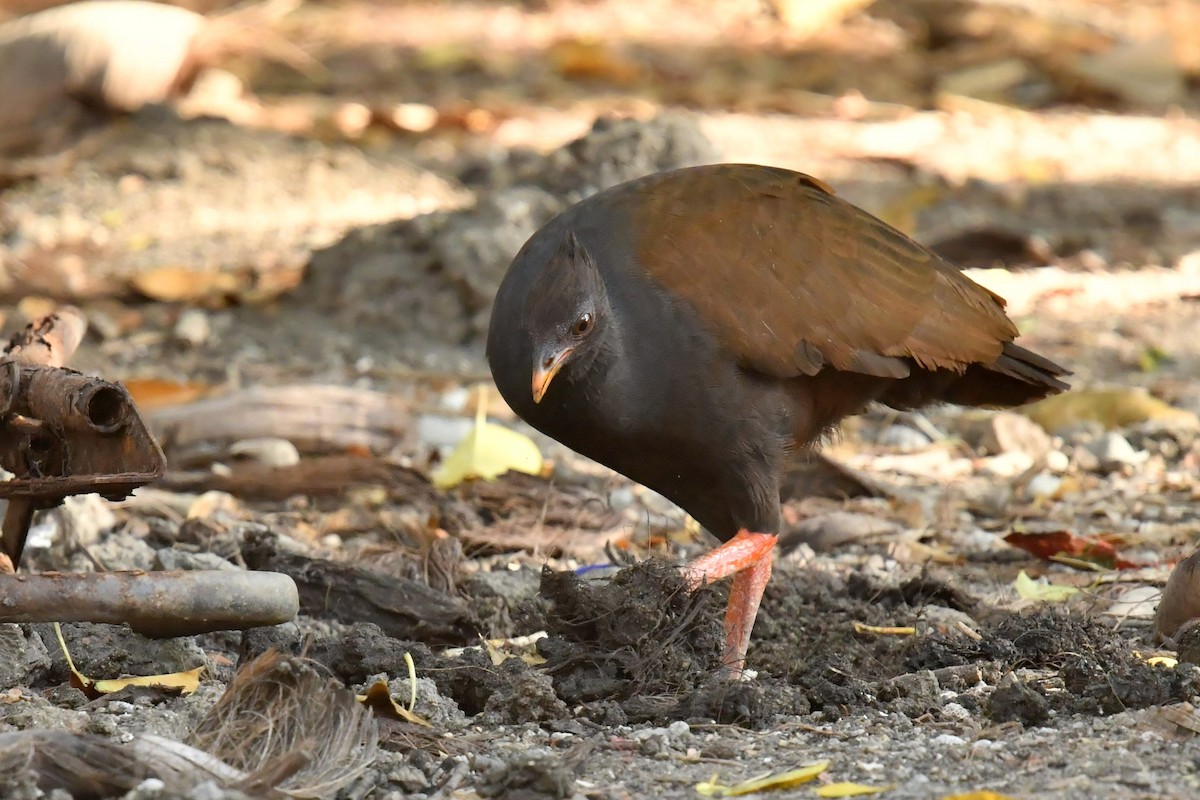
[(783, 780), (848, 790), (593, 60), (1112, 408), (176, 284), (1042, 591), (379, 699), (175, 682), (985, 795), (487, 452), (1157, 659), (1055, 544), (152, 393), (522, 647)]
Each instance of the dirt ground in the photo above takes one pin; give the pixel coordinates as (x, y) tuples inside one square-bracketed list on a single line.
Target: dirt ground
[(353, 266)]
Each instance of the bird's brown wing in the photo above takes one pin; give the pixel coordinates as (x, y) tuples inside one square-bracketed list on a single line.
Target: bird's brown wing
[(804, 280)]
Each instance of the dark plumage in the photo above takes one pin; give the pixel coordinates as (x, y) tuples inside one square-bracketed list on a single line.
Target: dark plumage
[(692, 328)]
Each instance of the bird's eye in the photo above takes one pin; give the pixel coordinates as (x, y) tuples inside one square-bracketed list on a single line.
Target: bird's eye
[(582, 325)]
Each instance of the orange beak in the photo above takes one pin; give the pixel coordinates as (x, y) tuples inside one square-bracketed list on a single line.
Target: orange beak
[(544, 372)]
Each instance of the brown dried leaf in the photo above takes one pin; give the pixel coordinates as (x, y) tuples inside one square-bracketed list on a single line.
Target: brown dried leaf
[(177, 284)]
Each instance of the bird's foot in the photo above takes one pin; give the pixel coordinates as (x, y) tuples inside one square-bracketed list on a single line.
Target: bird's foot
[(747, 556)]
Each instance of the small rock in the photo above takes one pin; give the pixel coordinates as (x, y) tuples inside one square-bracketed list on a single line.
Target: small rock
[(955, 712), (529, 697), (442, 712), (948, 740), (1057, 461), (827, 531), (22, 657), (529, 777), (78, 522), (1114, 452), (1004, 432), (439, 431), (913, 694), (903, 438), (1015, 700), (211, 503), (1006, 465), (1136, 602), (192, 328), (268, 451), (118, 551), (940, 619), (1043, 486)]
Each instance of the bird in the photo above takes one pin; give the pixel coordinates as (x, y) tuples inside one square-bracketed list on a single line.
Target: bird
[(695, 330)]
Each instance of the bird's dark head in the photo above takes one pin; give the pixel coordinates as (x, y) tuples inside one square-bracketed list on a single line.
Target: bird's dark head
[(566, 315), (550, 320)]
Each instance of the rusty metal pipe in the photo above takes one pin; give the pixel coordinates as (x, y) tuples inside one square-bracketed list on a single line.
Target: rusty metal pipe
[(158, 604)]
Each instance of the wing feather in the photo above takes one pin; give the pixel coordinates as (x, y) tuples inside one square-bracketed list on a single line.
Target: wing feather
[(826, 283)]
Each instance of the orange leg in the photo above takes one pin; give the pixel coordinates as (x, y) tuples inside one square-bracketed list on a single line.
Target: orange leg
[(747, 556)]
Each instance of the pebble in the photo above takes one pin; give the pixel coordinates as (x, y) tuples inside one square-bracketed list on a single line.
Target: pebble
[(1114, 451), (441, 431), (268, 451), (948, 740), (1043, 486), (192, 328), (904, 438), (1057, 461), (955, 711)]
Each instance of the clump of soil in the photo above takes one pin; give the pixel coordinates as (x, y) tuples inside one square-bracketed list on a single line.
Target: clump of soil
[(643, 632)]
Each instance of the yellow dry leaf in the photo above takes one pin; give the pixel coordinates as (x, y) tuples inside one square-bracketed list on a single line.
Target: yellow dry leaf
[(592, 59), (181, 284), (184, 682), (849, 790), (153, 393), (1158, 659), (112, 218), (379, 699), (1042, 591), (447, 56), (1112, 408), (33, 306), (783, 780), (487, 452), (885, 630), (138, 242), (522, 647), (180, 682), (985, 795)]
